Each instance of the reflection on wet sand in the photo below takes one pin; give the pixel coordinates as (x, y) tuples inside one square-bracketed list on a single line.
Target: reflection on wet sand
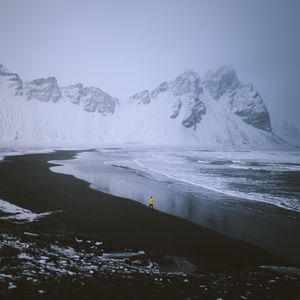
[(259, 223)]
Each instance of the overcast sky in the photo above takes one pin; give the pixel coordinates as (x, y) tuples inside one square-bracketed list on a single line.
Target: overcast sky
[(129, 45)]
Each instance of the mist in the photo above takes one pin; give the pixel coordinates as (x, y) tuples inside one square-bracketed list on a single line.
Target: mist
[(127, 46)]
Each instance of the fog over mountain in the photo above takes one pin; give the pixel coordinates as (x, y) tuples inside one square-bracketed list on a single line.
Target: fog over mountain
[(215, 109), (125, 46), (288, 132)]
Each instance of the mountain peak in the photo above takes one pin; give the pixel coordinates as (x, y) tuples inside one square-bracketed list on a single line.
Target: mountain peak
[(12, 81), (4, 70), (189, 74), (226, 69), (224, 80), (43, 89), (223, 71)]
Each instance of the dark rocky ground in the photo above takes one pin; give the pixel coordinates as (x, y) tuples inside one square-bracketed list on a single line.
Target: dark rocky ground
[(61, 265)]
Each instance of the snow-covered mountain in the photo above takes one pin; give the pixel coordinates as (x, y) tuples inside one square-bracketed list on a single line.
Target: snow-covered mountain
[(11, 80), (216, 109)]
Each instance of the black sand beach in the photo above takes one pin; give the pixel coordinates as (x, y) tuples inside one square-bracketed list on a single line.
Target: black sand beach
[(121, 224)]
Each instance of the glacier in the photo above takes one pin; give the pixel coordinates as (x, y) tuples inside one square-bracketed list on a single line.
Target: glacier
[(211, 110)]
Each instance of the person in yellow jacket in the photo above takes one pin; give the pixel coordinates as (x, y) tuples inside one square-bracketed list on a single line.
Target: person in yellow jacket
[(151, 202)]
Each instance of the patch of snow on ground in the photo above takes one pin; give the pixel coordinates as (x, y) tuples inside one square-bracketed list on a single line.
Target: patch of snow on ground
[(53, 260), (18, 214)]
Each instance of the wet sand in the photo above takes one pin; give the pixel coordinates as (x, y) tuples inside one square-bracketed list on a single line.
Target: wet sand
[(121, 223)]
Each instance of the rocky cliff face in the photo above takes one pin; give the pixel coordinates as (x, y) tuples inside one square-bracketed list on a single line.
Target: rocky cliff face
[(11, 80), (72, 92), (187, 90), (183, 95), (92, 99), (247, 103), (43, 89), (242, 99)]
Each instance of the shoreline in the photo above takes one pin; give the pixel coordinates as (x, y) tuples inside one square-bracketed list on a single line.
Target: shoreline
[(124, 225), (135, 226), (257, 223)]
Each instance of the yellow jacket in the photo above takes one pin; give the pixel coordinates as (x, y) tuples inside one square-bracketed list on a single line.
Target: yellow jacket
[(151, 201)]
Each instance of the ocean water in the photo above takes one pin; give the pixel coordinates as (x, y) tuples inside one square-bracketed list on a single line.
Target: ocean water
[(272, 177), (249, 195)]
